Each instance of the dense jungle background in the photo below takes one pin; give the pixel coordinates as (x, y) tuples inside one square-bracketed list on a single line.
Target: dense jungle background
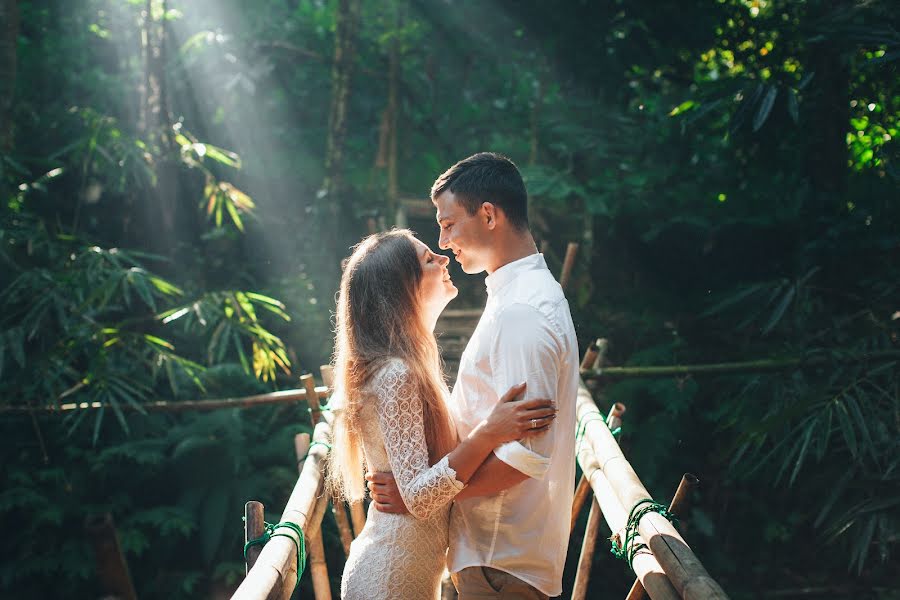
[(179, 181)]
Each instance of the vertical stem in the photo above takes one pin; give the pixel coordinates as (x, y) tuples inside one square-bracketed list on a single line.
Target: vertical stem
[(9, 35), (312, 397), (568, 263), (579, 589), (254, 526), (112, 568)]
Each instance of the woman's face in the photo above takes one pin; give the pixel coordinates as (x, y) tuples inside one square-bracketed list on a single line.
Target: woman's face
[(436, 288)]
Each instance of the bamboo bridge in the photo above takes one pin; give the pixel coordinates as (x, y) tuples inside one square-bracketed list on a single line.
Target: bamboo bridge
[(664, 564)]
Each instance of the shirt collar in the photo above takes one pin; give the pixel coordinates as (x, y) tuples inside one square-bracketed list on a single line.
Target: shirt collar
[(505, 274)]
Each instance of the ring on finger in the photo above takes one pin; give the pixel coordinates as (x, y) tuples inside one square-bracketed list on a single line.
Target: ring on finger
[(534, 423)]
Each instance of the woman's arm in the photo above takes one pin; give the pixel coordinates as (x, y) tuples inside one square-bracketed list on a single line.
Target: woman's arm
[(424, 488)]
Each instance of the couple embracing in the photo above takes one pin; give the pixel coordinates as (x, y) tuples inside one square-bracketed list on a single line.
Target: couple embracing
[(488, 470)]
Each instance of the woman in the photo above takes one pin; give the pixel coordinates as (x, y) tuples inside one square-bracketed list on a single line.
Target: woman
[(391, 416)]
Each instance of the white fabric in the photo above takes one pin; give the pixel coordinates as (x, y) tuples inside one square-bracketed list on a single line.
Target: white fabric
[(525, 334), (400, 556)]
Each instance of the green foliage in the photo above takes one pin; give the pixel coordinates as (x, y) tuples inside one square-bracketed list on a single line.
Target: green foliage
[(728, 168)]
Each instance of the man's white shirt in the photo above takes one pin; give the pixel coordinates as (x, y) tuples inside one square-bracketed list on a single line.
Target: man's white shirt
[(525, 334)]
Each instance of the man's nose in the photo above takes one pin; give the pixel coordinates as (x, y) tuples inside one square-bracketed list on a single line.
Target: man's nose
[(443, 241)]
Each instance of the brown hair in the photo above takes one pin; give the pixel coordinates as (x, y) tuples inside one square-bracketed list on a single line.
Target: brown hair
[(379, 318), (486, 177)]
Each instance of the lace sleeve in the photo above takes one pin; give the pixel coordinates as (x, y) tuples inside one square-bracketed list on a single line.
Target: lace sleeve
[(424, 489)]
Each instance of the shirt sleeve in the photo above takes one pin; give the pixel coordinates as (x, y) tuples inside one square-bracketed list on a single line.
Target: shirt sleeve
[(527, 349), (424, 488)]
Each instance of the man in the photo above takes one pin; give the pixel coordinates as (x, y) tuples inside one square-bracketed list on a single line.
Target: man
[(509, 528)]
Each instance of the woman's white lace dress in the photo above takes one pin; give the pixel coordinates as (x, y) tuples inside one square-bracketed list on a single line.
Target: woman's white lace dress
[(400, 556)]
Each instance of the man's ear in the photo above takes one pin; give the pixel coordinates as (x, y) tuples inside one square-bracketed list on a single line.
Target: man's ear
[(489, 213)]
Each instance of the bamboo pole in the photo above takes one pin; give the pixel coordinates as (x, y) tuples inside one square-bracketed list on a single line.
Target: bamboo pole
[(254, 527), (318, 569), (586, 559), (358, 516), (281, 397), (684, 570), (645, 565), (312, 398), (338, 508), (581, 494), (274, 575), (112, 568), (678, 506), (613, 420), (568, 263), (733, 368), (583, 574), (327, 372)]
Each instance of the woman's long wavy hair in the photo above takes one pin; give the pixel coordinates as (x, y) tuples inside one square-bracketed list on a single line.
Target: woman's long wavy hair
[(379, 317)]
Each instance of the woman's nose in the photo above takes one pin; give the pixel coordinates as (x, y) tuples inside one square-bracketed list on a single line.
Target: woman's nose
[(445, 260)]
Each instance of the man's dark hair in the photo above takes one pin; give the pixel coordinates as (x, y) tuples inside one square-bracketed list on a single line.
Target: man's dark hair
[(486, 177)]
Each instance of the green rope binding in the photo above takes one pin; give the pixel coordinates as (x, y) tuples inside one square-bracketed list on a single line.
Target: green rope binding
[(581, 427), (628, 548), (269, 532)]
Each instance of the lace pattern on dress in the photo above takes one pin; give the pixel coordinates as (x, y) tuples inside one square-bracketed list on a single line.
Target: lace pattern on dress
[(424, 489)]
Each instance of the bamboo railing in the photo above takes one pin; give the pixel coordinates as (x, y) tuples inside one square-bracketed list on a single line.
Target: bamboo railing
[(668, 569), (273, 575)]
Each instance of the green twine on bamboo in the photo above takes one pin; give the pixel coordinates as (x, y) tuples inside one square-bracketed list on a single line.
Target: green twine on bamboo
[(270, 532), (581, 427), (628, 548)]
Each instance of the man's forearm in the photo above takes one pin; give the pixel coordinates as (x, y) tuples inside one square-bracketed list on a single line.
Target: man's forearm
[(492, 477)]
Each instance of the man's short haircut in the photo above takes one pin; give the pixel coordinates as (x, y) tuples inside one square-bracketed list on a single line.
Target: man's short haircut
[(486, 177)]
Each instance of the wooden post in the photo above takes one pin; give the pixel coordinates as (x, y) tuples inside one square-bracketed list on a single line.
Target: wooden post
[(602, 346), (581, 494), (112, 568), (312, 397), (318, 569), (254, 527), (590, 355), (678, 505), (358, 516), (579, 589), (338, 509), (684, 570), (327, 372), (614, 418), (568, 263)]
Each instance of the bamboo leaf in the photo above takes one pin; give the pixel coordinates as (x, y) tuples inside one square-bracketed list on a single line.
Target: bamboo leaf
[(779, 310), (807, 436), (793, 106), (765, 107), (157, 341), (847, 429)]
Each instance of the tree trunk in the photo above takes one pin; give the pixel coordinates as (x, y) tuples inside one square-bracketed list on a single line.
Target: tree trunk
[(154, 126), (9, 20), (828, 93), (333, 190)]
